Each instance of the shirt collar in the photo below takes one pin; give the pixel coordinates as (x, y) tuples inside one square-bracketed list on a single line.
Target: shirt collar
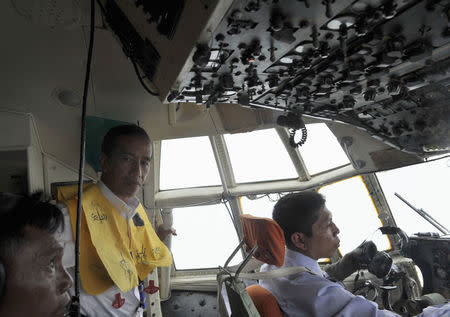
[(294, 258), (126, 209)]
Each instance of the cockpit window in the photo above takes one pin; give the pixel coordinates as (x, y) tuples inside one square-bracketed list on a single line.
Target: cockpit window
[(425, 186), (206, 237), (354, 213), (322, 151), (187, 162), (259, 156), (259, 205), (351, 205)]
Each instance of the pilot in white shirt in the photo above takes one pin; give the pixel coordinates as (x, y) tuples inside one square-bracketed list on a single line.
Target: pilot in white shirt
[(311, 234)]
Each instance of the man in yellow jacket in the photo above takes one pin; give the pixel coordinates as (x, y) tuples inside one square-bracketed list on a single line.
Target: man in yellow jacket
[(118, 246)]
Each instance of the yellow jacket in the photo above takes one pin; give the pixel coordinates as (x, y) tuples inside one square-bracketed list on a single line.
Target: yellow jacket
[(113, 251)]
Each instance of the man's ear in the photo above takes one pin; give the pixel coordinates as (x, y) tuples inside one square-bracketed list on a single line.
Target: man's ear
[(298, 239), (104, 162)]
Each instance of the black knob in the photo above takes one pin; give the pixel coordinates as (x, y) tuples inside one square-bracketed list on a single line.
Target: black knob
[(315, 37), (276, 21), (303, 93), (324, 50), (356, 90), (373, 83), (303, 24), (393, 87), (252, 6), (343, 38), (356, 66), (273, 80), (389, 9), (361, 27), (202, 55), (394, 47), (327, 81), (348, 101), (370, 95), (220, 37), (226, 80), (328, 10)]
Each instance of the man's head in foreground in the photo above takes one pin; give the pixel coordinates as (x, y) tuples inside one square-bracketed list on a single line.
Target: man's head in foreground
[(307, 224), (35, 282), (125, 160)]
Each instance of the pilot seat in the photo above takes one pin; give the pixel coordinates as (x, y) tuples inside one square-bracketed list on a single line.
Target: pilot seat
[(263, 240)]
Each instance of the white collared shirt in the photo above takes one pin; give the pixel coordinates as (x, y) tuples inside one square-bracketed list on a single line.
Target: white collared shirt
[(126, 209), (305, 294), (101, 305)]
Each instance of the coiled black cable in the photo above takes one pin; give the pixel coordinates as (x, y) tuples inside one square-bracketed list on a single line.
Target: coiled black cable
[(292, 137)]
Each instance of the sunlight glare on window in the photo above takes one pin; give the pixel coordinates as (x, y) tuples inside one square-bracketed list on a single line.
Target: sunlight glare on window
[(425, 186), (187, 162), (322, 151), (205, 237), (354, 213), (259, 156)]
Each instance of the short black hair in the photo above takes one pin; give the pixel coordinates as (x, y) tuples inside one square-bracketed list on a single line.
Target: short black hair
[(297, 212), (19, 211), (110, 140)]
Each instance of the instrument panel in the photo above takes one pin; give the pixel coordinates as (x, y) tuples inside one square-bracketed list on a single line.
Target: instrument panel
[(432, 256), (381, 65)]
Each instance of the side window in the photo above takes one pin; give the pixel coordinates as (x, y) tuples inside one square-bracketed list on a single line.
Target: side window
[(425, 186), (354, 213), (206, 237)]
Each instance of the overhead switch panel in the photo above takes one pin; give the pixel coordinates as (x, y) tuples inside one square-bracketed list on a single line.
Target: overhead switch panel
[(380, 65)]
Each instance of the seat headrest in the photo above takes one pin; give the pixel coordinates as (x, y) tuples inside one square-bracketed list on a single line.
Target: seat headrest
[(268, 235)]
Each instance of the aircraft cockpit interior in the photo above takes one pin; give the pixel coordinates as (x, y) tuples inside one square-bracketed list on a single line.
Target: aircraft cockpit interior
[(245, 102)]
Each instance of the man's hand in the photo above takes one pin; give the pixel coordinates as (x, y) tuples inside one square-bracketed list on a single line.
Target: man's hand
[(352, 261), (163, 233)]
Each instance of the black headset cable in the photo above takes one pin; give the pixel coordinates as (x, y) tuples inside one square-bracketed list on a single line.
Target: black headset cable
[(75, 310)]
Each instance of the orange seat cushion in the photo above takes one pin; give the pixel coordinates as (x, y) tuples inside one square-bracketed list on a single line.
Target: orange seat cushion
[(268, 235), (264, 301)]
